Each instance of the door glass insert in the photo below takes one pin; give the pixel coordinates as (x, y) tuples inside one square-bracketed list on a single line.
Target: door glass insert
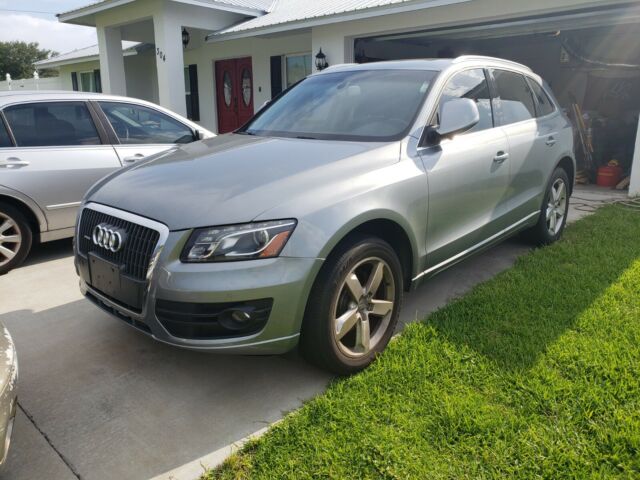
[(228, 88), (52, 124), (246, 87), (136, 124)]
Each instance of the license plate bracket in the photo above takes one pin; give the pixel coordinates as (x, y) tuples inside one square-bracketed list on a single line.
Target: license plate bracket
[(108, 279)]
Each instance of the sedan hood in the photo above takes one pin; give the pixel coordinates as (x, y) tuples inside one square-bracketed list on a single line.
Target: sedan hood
[(233, 178)]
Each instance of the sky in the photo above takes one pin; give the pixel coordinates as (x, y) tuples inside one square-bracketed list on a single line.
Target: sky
[(35, 21)]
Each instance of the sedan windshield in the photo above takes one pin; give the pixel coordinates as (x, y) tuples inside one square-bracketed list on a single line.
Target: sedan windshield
[(370, 105)]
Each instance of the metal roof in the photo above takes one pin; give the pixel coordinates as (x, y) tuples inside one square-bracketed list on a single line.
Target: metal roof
[(83, 55), (293, 11)]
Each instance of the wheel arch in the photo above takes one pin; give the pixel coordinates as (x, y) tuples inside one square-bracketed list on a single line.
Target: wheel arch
[(388, 227), (35, 217), (568, 165)]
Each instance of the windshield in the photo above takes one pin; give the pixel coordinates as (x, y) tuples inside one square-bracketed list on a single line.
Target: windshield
[(371, 105)]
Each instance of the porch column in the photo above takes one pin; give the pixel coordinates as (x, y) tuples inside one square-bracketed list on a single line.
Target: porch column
[(634, 187), (170, 63), (111, 61)]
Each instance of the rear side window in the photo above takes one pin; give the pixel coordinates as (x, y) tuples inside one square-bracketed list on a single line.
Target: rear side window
[(52, 124), (5, 140), (545, 105), (471, 84), (135, 124), (516, 99)]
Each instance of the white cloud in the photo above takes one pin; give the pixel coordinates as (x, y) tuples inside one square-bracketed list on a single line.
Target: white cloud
[(50, 34)]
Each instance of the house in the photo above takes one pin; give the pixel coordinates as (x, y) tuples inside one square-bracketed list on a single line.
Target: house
[(218, 61)]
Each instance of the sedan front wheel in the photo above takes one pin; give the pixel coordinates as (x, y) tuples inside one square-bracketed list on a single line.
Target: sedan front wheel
[(15, 237)]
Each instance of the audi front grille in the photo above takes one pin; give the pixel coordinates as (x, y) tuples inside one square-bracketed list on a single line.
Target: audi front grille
[(136, 251)]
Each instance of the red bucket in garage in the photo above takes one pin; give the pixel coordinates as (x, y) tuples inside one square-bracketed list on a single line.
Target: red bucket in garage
[(609, 176)]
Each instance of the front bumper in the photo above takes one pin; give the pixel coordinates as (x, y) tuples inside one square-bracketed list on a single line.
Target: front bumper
[(8, 409), (286, 281)]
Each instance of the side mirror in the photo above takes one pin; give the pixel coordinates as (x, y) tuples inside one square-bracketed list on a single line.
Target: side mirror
[(457, 116), (198, 135)]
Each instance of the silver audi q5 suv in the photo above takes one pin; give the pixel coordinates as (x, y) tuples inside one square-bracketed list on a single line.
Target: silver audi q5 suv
[(306, 225)]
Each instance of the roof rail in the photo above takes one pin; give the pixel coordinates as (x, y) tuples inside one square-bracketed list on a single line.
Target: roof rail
[(464, 58)]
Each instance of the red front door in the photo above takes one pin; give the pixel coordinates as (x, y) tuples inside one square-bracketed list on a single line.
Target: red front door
[(234, 93)]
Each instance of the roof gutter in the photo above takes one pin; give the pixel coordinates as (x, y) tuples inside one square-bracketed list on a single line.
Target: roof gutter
[(221, 36)]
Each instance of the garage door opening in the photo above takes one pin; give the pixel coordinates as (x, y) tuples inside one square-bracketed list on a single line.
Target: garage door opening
[(594, 72)]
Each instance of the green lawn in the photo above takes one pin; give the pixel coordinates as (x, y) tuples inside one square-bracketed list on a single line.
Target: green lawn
[(534, 374)]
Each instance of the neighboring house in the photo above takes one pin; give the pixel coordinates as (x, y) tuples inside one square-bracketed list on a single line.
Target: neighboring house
[(218, 61)]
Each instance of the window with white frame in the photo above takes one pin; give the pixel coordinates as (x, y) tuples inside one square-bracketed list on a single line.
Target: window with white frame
[(296, 68), (87, 82)]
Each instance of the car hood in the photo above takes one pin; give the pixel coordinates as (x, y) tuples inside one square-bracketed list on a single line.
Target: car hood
[(234, 178)]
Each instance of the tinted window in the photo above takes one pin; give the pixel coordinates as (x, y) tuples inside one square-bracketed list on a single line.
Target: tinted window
[(516, 100), (52, 124), (360, 105), (545, 106), (471, 84), (5, 140), (135, 124)]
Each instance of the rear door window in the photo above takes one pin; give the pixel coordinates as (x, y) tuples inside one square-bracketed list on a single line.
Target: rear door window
[(5, 140), (544, 104), (471, 84), (516, 99), (50, 124), (136, 124)]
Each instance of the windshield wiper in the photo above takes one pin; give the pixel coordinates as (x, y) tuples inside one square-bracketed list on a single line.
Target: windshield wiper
[(303, 137)]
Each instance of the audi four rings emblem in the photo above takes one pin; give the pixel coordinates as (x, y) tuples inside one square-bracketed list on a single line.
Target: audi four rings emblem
[(108, 237)]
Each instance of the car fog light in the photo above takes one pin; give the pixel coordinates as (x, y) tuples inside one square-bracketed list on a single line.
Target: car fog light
[(237, 319)]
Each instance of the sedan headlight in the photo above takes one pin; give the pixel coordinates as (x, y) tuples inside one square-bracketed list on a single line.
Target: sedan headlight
[(238, 242)]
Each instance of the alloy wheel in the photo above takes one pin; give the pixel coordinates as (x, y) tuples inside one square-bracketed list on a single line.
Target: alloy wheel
[(10, 239), (556, 207), (364, 307)]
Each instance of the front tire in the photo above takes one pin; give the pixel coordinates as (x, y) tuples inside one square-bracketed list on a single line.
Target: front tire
[(353, 307), (15, 238), (554, 211)]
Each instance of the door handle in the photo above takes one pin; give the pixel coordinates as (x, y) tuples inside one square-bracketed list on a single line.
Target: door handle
[(133, 158), (551, 141), (500, 157), (13, 162)]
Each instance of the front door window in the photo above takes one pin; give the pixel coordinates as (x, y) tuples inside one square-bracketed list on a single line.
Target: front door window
[(246, 87), (227, 85)]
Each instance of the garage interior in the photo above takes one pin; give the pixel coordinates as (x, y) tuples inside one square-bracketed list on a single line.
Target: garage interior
[(591, 60)]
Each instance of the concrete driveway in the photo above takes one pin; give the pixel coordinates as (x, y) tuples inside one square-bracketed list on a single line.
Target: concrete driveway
[(99, 400)]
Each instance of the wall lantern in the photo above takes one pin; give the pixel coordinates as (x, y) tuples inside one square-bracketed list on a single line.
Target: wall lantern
[(321, 61), (185, 37)]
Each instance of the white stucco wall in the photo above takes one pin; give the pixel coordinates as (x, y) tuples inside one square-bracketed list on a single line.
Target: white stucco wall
[(141, 76)]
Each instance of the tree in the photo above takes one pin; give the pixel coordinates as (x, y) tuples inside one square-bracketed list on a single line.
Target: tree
[(17, 59)]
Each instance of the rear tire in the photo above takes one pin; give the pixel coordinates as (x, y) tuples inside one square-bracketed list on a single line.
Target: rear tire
[(553, 213), (353, 307), (15, 237)]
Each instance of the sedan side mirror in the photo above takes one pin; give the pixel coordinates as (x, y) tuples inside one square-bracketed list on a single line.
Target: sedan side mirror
[(457, 116), (198, 135)]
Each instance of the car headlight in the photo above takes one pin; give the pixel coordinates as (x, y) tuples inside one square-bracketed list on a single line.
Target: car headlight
[(238, 242)]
